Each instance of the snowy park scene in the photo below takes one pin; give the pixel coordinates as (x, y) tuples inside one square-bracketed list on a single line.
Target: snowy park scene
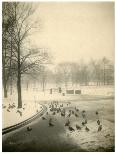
[(58, 77)]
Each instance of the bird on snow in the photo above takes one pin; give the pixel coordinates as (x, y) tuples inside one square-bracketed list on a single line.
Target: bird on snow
[(78, 127), (87, 129), (72, 112), (83, 115), (71, 128), (69, 115), (98, 122), (29, 128), (67, 123), (8, 110), (50, 122), (43, 118), (83, 123), (76, 115), (99, 128), (54, 113)]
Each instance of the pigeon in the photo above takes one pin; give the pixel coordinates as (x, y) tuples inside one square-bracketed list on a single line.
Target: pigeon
[(62, 114), (72, 112), (77, 110), (71, 128), (51, 124), (78, 127), (4, 107), (67, 123), (86, 121), (51, 109), (76, 115), (8, 110), (99, 128), (87, 129), (83, 111), (53, 113), (98, 122), (83, 115), (43, 118), (19, 112), (108, 135), (29, 128), (83, 123), (69, 115)]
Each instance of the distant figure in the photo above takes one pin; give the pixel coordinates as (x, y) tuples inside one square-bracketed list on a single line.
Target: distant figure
[(98, 122), (46, 113), (99, 128), (78, 127), (29, 128), (51, 91), (87, 129), (97, 113), (59, 90)]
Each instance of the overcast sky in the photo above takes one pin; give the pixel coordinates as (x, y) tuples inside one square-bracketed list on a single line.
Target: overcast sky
[(76, 31)]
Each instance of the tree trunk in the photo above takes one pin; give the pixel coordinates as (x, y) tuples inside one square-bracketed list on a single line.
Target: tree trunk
[(5, 89), (4, 81), (19, 91), (19, 80), (104, 76), (4, 71)]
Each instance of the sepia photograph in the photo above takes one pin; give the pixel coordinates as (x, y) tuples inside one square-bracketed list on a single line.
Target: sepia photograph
[(58, 87)]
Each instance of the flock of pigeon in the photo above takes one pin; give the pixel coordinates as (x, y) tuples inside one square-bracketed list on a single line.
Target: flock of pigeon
[(12, 106), (57, 108)]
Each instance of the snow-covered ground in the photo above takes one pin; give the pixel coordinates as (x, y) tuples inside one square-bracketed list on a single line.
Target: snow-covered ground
[(32, 97), (13, 116), (91, 140)]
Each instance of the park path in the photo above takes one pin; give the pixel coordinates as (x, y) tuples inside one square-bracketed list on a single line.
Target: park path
[(58, 138)]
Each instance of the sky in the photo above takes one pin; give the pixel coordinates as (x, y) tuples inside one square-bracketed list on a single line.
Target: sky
[(75, 30)]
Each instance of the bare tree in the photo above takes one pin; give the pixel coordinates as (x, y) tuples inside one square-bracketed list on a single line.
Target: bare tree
[(22, 60), (64, 72), (7, 44), (105, 62)]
